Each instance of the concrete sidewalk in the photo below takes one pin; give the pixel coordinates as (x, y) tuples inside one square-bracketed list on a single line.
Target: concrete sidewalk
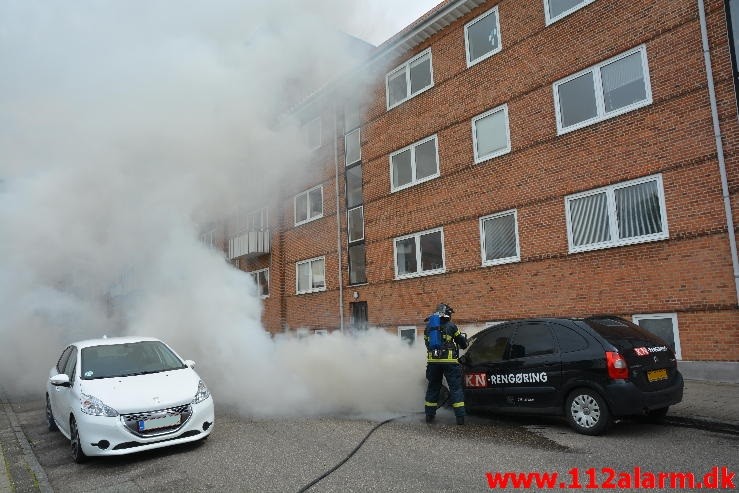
[(707, 405)]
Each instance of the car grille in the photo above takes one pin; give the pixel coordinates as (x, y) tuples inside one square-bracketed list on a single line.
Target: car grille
[(131, 421)]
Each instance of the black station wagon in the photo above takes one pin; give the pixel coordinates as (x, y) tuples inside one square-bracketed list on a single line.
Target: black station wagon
[(589, 370)]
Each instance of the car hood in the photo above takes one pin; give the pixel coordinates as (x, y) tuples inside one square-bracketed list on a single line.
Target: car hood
[(142, 393)]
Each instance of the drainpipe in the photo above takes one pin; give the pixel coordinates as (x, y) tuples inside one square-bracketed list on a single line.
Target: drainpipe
[(719, 145), (338, 221)]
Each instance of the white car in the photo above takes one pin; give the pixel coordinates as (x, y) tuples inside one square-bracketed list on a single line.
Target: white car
[(121, 395)]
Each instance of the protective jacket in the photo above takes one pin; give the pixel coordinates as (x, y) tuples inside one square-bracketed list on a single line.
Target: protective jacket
[(453, 339)]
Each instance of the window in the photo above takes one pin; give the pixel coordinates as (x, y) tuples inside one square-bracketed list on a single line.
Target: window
[(532, 339), (611, 88), (355, 224), (352, 116), (414, 164), (499, 237), (353, 148), (209, 238), (320, 332), (357, 264), (490, 346), (622, 214), (63, 359), (413, 77), (407, 334), (569, 340), (482, 37), (419, 254), (733, 23), (664, 326), (309, 205), (261, 279), (556, 9), (312, 133), (311, 275), (490, 134), (354, 186)]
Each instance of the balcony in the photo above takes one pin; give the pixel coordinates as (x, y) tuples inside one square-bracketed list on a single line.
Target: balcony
[(249, 244)]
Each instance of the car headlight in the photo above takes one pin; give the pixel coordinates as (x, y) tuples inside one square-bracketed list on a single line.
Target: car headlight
[(201, 394), (95, 407)]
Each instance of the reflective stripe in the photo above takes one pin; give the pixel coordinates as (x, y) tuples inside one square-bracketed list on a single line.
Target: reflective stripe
[(456, 334), (430, 404), (458, 404)]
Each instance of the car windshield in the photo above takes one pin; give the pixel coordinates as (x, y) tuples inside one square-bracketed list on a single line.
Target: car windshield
[(125, 360)]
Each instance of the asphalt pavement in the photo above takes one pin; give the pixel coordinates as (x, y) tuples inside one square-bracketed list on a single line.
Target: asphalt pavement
[(708, 405)]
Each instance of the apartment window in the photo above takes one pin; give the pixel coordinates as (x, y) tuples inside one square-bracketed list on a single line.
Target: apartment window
[(311, 275), (411, 78), (414, 164), (490, 134), (355, 224), (419, 254), (261, 279), (352, 116), (664, 326), (622, 214), (556, 9), (312, 133), (309, 205), (611, 88), (352, 147), (320, 332), (732, 14), (357, 264), (499, 237), (482, 37), (354, 186), (407, 334)]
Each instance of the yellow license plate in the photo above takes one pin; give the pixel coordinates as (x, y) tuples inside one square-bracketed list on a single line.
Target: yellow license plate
[(657, 375)]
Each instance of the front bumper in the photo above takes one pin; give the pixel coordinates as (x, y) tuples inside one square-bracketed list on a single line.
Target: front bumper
[(102, 435), (626, 399)]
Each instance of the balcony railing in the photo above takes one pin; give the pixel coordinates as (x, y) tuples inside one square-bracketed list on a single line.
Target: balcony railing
[(249, 243)]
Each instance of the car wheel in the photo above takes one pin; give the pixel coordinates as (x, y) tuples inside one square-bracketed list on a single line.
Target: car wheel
[(50, 423), (77, 454), (587, 412)]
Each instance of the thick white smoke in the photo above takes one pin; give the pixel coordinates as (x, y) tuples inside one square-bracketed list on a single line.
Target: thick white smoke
[(123, 127)]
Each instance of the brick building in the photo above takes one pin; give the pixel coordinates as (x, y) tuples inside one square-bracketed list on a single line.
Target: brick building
[(520, 159)]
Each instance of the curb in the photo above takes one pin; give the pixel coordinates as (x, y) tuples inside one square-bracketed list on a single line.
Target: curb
[(703, 424)]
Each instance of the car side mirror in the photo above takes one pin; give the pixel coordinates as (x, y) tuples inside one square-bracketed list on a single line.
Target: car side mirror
[(464, 359), (190, 363), (60, 380)]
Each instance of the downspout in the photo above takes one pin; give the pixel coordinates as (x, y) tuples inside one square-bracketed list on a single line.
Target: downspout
[(719, 145), (338, 222)]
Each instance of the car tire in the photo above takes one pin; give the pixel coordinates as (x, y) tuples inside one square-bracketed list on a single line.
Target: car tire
[(74, 437), (587, 412), (50, 422)]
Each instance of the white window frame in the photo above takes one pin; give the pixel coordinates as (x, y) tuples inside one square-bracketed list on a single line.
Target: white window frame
[(471, 62), (349, 239), (255, 276), (412, 148), (320, 332), (480, 159), (402, 328), (208, 238), (601, 114), (406, 67), (615, 241), (506, 260), (306, 132), (417, 236), (675, 330), (359, 146), (308, 208), (550, 19), (297, 275)]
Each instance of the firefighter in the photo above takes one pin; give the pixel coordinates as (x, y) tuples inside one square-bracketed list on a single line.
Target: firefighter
[(443, 341)]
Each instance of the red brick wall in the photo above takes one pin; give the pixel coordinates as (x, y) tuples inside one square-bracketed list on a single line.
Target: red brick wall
[(690, 273)]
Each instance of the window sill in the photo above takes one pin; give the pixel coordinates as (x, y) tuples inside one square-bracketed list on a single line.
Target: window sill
[(410, 97), (420, 274), (501, 261), (413, 184), (602, 118), (620, 243), (318, 290)]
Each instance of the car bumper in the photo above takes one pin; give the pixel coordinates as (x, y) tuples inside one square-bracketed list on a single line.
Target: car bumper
[(95, 431), (626, 399)]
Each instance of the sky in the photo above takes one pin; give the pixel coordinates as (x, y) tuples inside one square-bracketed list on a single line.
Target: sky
[(125, 127)]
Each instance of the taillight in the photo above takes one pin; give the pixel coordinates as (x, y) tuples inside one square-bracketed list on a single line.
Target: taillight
[(617, 367)]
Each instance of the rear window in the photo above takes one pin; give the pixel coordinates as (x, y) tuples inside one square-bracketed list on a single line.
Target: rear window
[(623, 334)]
